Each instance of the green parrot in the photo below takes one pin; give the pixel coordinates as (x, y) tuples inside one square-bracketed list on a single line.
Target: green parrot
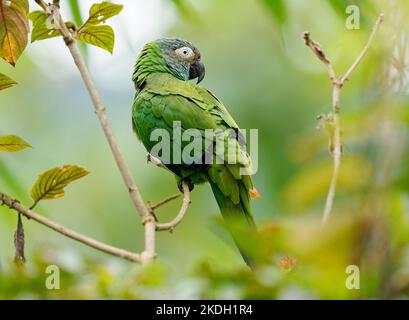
[(165, 97)]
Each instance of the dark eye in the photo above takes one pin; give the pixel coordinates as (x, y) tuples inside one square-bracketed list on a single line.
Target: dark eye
[(185, 52)]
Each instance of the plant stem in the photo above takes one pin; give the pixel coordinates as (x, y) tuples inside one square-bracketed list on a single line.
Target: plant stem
[(337, 85), (185, 205), (21, 209)]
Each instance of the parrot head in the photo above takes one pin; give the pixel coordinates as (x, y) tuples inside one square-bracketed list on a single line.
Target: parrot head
[(175, 56)]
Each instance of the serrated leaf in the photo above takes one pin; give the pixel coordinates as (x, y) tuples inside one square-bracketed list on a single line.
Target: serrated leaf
[(100, 36), (6, 82), (51, 184), (100, 12), (41, 28), (13, 29), (12, 143)]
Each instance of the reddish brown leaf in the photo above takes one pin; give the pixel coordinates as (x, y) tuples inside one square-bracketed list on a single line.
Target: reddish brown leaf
[(13, 29)]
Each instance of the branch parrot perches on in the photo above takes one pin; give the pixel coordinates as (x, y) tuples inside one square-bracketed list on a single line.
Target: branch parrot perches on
[(164, 96)]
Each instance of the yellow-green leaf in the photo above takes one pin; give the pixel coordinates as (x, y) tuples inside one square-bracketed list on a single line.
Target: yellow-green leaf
[(51, 184), (100, 36), (6, 82), (13, 29), (12, 143), (100, 12), (42, 29)]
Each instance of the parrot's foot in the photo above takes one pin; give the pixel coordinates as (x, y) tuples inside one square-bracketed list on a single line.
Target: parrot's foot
[(189, 183)]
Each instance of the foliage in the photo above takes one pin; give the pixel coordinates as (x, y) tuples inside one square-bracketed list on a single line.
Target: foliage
[(277, 87), (13, 29), (92, 32), (12, 143), (6, 82), (100, 36), (42, 28), (51, 184)]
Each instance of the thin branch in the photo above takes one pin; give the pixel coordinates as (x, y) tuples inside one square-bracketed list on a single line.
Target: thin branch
[(43, 5), (16, 205), (147, 220), (316, 48), (100, 111), (163, 202), (335, 121), (364, 51), (170, 226), (185, 205)]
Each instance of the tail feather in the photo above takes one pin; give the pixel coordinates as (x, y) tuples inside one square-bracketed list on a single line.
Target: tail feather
[(236, 216)]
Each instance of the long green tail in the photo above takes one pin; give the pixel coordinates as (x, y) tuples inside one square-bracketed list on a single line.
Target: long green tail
[(237, 217)]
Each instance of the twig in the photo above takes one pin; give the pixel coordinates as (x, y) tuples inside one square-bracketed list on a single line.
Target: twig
[(100, 111), (337, 85), (14, 204), (43, 5), (170, 226), (136, 197), (163, 202), (364, 51), (316, 48), (185, 205)]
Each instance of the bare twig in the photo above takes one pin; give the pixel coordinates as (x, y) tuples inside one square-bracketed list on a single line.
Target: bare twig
[(100, 111), (21, 209), (364, 51), (163, 202), (185, 205), (170, 226), (42, 4), (316, 48), (337, 85)]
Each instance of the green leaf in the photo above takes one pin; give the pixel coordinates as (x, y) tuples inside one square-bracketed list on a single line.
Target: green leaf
[(41, 29), (100, 12), (6, 82), (51, 184), (12, 143), (13, 29), (277, 9), (100, 36)]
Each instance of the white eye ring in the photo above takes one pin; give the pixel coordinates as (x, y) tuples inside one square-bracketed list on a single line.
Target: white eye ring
[(185, 52)]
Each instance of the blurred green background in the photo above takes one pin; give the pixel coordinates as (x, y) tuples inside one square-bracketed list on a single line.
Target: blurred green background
[(258, 65)]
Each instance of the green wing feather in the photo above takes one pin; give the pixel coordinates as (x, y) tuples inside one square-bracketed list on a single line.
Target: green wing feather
[(165, 99)]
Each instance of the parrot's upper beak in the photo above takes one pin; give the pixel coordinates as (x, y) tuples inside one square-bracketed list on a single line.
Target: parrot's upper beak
[(197, 70)]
